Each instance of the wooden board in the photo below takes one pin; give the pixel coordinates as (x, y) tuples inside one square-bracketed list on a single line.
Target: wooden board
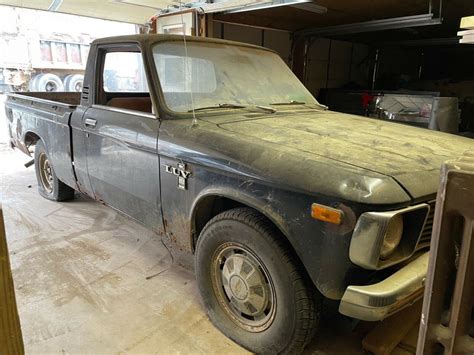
[(467, 39), (466, 33), (385, 337), (467, 23), (11, 341)]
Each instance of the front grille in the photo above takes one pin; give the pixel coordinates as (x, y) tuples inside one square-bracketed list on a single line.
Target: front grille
[(425, 237)]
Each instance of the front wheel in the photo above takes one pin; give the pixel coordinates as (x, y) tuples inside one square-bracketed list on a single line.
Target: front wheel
[(49, 186), (252, 286)]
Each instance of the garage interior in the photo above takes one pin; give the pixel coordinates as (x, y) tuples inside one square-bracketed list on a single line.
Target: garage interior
[(88, 279)]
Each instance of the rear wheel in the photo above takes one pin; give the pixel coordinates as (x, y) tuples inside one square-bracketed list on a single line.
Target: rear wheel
[(252, 286), (49, 186)]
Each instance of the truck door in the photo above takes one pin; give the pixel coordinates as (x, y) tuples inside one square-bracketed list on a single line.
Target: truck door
[(121, 137)]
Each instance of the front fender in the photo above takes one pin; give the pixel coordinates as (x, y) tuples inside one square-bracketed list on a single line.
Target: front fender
[(322, 248), (245, 198)]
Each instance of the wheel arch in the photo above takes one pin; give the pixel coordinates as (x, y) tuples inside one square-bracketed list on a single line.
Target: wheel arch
[(30, 138), (214, 201), (203, 210)]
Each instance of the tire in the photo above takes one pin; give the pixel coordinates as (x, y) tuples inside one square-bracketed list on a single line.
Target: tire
[(32, 83), (73, 83), (251, 284), (49, 186), (66, 80), (48, 83)]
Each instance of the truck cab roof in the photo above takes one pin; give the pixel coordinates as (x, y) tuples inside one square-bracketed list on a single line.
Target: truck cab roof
[(147, 39)]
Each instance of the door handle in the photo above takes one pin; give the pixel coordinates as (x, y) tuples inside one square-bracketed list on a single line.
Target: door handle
[(90, 122)]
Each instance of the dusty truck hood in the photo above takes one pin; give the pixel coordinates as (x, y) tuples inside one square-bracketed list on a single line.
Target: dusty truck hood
[(410, 155)]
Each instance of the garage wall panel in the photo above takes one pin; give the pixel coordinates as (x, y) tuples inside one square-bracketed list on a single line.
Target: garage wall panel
[(341, 52), (319, 50), (317, 71), (279, 42), (340, 71), (317, 65), (217, 28), (360, 64), (243, 34), (332, 64)]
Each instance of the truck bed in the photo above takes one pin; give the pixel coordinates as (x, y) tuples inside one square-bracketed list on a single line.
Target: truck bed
[(46, 116)]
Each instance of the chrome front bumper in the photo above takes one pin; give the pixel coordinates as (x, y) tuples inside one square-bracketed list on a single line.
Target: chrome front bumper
[(378, 301)]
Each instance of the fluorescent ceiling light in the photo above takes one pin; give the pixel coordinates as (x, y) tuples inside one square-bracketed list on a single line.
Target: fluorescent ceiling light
[(311, 7), (372, 26), (424, 42), (227, 5), (306, 5)]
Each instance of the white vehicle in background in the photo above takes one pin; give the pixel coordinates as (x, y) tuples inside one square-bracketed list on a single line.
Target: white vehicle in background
[(47, 51), (60, 68), (42, 62)]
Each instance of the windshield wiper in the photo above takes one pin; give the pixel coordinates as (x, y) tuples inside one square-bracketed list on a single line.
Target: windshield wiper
[(291, 102), (230, 106), (218, 106)]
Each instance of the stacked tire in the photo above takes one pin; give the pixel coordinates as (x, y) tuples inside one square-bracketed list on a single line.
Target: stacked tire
[(73, 83), (53, 83), (46, 82)]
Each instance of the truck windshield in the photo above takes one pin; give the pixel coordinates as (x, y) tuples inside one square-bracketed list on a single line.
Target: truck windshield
[(212, 74)]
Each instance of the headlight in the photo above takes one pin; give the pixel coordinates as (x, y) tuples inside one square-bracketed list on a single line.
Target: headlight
[(383, 239), (392, 237)]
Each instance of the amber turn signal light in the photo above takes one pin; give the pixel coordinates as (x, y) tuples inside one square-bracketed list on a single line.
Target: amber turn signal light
[(326, 214)]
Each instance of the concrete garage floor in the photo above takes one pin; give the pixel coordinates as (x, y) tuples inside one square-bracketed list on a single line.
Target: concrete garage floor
[(80, 272)]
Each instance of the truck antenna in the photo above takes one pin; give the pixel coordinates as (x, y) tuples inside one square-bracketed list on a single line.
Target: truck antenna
[(186, 64)]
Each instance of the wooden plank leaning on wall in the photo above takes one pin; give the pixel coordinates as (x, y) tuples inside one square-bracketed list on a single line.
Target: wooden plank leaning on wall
[(11, 341), (447, 323)]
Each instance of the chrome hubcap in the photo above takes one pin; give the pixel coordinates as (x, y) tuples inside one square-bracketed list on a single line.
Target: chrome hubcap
[(238, 287), (244, 287), (46, 173)]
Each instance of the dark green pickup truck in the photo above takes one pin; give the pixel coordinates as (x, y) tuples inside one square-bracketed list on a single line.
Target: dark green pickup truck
[(219, 147)]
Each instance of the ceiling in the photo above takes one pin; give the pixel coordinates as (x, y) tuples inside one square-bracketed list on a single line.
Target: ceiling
[(286, 18), (350, 11), (131, 11)]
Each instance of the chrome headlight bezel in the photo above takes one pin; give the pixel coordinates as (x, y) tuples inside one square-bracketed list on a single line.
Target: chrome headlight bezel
[(371, 230)]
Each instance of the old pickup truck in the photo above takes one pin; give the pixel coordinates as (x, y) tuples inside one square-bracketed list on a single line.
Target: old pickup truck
[(217, 146)]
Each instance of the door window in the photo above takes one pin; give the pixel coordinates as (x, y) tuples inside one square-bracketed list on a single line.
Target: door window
[(124, 72), (124, 83)]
